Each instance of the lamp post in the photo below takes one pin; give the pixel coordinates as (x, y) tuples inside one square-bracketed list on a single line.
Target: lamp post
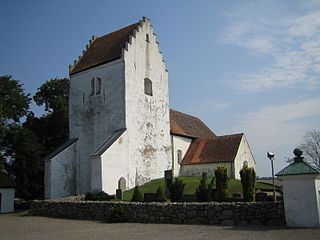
[(270, 155)]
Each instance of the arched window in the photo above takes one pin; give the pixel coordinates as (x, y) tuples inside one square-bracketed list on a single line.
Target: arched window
[(148, 86), (179, 156), (92, 87), (98, 85)]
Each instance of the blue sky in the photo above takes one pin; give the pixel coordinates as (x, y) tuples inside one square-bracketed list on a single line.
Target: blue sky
[(240, 66)]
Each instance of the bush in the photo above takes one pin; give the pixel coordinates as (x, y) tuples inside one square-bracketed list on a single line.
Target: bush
[(137, 195), (204, 191), (221, 183), (98, 196), (119, 214), (176, 190), (248, 177), (160, 197)]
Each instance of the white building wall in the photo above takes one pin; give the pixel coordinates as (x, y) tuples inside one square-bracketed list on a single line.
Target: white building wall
[(147, 117), (115, 164), (7, 201), (179, 143), (93, 117), (301, 200), (244, 154), (196, 170), (60, 173)]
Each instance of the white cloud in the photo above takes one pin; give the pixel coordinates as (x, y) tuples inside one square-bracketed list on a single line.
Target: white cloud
[(277, 128), (292, 42)]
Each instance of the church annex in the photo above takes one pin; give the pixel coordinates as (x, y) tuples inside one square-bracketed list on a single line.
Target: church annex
[(121, 126)]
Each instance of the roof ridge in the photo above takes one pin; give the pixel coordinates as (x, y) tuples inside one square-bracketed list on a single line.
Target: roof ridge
[(121, 35)]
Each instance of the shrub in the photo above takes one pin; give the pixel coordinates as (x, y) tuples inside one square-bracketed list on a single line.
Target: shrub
[(98, 196), (176, 190), (160, 197), (221, 183), (119, 214), (204, 191), (248, 176), (137, 195)]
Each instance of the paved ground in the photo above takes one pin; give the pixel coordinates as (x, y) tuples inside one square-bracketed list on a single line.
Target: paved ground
[(41, 228)]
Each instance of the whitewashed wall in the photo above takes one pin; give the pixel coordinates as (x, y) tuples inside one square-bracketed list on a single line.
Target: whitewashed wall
[(111, 166), (94, 117), (196, 170), (179, 143), (301, 200), (147, 117), (244, 154), (7, 201), (60, 173)]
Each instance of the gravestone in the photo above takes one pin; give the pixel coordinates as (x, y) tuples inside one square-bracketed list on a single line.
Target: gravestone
[(122, 184), (168, 177), (121, 187)]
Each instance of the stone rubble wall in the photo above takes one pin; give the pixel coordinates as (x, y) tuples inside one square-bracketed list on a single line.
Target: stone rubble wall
[(271, 214)]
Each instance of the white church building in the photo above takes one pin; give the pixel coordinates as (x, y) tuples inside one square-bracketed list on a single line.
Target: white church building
[(121, 126)]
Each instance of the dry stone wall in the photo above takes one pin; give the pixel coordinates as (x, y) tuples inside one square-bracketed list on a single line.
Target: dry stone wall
[(176, 213)]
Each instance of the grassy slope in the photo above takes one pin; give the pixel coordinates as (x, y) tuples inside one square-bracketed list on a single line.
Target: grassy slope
[(190, 188)]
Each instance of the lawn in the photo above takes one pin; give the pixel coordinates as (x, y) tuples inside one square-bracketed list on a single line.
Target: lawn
[(234, 186)]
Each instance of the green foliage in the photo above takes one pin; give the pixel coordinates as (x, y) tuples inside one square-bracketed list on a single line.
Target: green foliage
[(137, 195), (14, 104), (53, 128), (221, 183), (54, 95), (98, 196), (160, 197), (25, 162), (120, 214), (248, 177), (204, 190), (176, 190)]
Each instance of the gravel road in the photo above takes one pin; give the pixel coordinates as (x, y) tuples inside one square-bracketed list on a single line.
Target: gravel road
[(42, 228)]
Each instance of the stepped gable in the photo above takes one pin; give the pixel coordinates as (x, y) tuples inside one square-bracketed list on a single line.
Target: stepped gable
[(215, 150), (189, 126), (103, 49), (5, 181)]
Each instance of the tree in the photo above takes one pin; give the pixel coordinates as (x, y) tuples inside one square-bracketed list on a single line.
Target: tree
[(176, 190), (311, 147), (14, 104), (54, 95), (24, 153), (204, 190), (221, 183), (52, 128), (137, 195), (248, 177), (160, 197)]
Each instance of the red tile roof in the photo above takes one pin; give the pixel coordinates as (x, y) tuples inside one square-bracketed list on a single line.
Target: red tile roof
[(104, 49), (5, 181), (189, 126), (215, 150)]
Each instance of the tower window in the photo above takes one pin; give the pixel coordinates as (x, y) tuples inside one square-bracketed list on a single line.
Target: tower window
[(148, 86), (147, 38), (179, 156), (98, 86), (92, 87)]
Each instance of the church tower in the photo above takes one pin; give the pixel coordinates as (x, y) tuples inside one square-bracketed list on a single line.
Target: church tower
[(118, 116)]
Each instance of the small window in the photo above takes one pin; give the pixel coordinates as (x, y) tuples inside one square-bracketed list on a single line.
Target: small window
[(147, 38), (179, 156), (98, 86), (92, 87), (148, 86)]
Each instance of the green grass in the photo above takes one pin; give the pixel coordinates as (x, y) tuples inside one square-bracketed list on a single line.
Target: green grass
[(234, 186), (22, 213)]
